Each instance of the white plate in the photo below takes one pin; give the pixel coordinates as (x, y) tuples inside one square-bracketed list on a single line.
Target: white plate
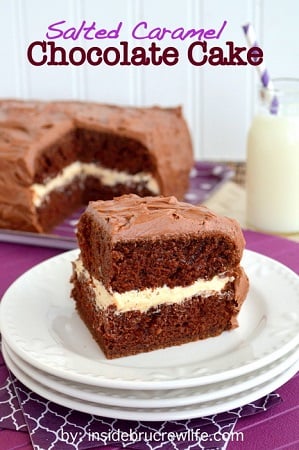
[(39, 322), (156, 398), (153, 414)]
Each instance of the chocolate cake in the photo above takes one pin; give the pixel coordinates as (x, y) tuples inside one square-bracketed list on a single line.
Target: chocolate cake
[(56, 156), (154, 272)]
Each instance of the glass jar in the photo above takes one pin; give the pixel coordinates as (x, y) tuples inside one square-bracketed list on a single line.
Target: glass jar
[(273, 161)]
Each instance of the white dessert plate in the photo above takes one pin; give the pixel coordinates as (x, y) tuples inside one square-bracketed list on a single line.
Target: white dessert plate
[(154, 414), (156, 398), (39, 322)]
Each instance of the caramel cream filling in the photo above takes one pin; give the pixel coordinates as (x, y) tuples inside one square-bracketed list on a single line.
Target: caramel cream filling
[(147, 298), (108, 177)]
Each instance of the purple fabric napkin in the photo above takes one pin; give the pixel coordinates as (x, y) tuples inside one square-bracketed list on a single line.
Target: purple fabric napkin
[(11, 415)]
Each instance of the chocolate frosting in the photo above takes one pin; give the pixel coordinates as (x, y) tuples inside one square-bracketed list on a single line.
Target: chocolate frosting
[(26, 128), (241, 286), (132, 217)]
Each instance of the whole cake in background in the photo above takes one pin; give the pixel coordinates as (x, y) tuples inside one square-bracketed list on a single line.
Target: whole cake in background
[(154, 272), (56, 156)]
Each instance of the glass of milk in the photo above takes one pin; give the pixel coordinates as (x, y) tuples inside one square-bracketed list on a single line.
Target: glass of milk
[(273, 161)]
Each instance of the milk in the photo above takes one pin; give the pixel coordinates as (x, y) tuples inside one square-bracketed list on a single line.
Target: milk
[(273, 171)]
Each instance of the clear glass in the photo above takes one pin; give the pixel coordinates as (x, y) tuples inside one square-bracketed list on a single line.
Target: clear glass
[(273, 161)]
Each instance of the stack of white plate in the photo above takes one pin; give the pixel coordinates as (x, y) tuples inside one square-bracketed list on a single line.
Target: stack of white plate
[(49, 349)]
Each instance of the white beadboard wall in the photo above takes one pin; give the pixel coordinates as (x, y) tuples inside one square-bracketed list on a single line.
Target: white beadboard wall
[(218, 102)]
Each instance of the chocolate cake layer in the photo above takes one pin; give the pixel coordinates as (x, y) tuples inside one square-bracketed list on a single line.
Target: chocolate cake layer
[(95, 189), (132, 332), (162, 131), (59, 205), (58, 155), (114, 151), (38, 140), (133, 243)]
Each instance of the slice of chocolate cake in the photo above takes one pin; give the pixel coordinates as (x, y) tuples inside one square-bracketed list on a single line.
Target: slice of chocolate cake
[(56, 156), (154, 272)]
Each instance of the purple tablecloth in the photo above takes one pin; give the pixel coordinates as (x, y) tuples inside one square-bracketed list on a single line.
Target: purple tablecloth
[(273, 429)]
